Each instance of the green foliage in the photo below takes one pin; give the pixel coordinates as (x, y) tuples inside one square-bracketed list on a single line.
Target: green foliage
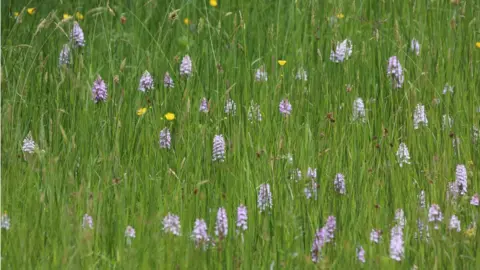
[(104, 160)]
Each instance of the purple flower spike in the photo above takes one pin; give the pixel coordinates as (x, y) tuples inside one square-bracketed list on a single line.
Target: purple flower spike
[(264, 197), (395, 71), (99, 90), (221, 227), (146, 82), (171, 224), (168, 81), (186, 66), (285, 107), (76, 36)]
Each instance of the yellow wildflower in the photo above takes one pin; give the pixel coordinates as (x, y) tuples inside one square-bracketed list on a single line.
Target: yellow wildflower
[(141, 111), (477, 44), (169, 116), (15, 14), (282, 62), (31, 11), (213, 3), (186, 21), (340, 15), (79, 16), (470, 232), (66, 16)]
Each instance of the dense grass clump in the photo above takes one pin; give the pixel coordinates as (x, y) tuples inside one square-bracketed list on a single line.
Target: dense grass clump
[(240, 134)]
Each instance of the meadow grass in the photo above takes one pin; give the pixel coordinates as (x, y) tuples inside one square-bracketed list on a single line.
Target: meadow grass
[(105, 160)]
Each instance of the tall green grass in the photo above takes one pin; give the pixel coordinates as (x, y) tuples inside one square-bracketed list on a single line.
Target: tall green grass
[(87, 145)]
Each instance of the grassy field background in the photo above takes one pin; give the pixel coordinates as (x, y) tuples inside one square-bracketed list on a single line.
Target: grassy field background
[(105, 160)]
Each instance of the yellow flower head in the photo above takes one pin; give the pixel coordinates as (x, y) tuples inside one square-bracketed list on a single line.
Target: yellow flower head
[(66, 16), (282, 62), (141, 111), (477, 45), (470, 232), (31, 11), (186, 21), (169, 116), (340, 15), (15, 14), (213, 3), (79, 16)]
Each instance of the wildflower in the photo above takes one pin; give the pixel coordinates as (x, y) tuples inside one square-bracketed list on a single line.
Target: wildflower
[(415, 46), (203, 106), (230, 107), (361, 254), (311, 190), (186, 66), (79, 16), (461, 179), (447, 88), (475, 200), (400, 218), (339, 183), (129, 234), (15, 14), (395, 71), (199, 233), (87, 222), (403, 155), (329, 228), (359, 110), (186, 21), (66, 16), (435, 215), (5, 221), (146, 82), (99, 90), (318, 243), (396, 243), (285, 107), (254, 113), (171, 224), (301, 75), (475, 134), (471, 230), (28, 145), (282, 62), (165, 139), (64, 58), (168, 81), (375, 236), (76, 36), (170, 116), (421, 198), (477, 44), (340, 16), (261, 75), (31, 11), (342, 51), (141, 111), (296, 175), (454, 224), (312, 173), (419, 117), (221, 226), (242, 218), (213, 3), (452, 191), (447, 121), (421, 228), (218, 152), (264, 197)]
